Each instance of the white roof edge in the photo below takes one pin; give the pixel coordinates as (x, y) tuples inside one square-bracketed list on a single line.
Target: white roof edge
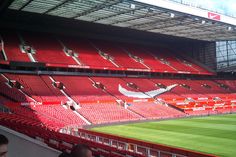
[(190, 10)]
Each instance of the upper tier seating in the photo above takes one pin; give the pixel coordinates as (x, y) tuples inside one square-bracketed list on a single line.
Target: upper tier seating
[(149, 59), (120, 56), (87, 54), (12, 47), (177, 62), (48, 49), (98, 54)]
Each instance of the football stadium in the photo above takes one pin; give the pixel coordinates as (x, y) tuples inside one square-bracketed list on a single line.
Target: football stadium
[(119, 78)]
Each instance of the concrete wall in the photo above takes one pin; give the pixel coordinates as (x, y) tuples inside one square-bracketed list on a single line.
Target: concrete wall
[(23, 146)]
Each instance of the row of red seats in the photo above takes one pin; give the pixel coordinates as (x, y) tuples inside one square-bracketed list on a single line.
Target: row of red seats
[(82, 88), (57, 140), (106, 113), (12, 93), (65, 115), (100, 143), (42, 118), (50, 50), (152, 111)]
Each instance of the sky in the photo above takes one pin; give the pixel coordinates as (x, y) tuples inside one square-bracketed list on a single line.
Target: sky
[(227, 7)]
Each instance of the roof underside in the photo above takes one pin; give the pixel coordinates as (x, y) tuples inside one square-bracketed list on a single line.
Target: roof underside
[(130, 14)]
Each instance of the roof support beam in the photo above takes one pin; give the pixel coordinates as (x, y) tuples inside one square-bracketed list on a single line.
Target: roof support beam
[(23, 6)]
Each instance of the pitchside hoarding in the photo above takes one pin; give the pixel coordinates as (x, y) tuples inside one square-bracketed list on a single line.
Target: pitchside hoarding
[(221, 8)]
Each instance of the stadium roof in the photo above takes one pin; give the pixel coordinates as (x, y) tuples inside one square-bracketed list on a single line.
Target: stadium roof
[(133, 15)]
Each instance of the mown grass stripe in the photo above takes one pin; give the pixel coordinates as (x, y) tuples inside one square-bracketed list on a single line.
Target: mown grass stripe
[(218, 126)]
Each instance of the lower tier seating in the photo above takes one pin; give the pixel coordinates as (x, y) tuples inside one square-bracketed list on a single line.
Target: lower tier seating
[(153, 111), (106, 113), (65, 115), (57, 140), (41, 119), (98, 98)]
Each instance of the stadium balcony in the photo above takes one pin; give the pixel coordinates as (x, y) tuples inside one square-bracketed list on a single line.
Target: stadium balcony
[(68, 67), (88, 54), (177, 62), (121, 58), (148, 59), (48, 49), (12, 49)]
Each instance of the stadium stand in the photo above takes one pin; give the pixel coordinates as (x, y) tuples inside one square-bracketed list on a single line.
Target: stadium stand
[(187, 95), (86, 52), (63, 76), (47, 49), (83, 88), (34, 87), (121, 58), (28, 115), (11, 47), (64, 115), (106, 113), (93, 54), (150, 60), (47, 101), (154, 111)]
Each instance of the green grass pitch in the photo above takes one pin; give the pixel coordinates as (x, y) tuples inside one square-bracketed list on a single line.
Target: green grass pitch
[(213, 134)]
